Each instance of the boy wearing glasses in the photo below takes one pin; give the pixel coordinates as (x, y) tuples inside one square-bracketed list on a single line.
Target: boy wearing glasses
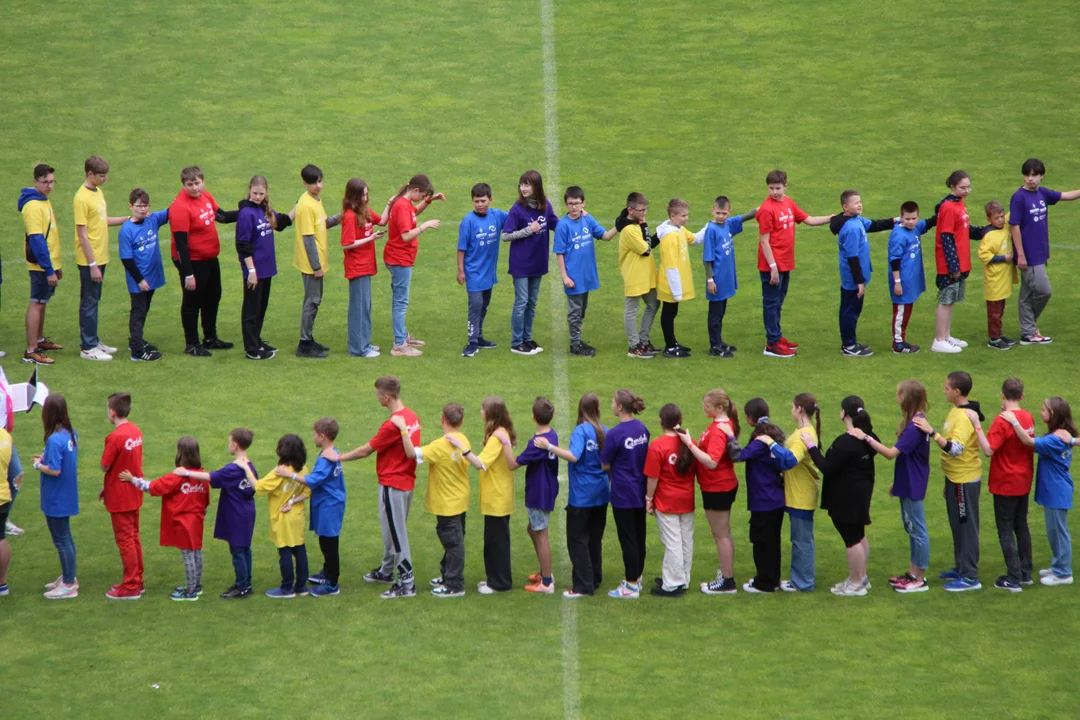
[(576, 255), (638, 270), (140, 254)]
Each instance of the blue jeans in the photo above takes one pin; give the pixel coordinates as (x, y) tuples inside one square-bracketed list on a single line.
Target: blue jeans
[(802, 552), (1057, 532), (359, 315), (400, 280), (478, 307), (772, 305), (850, 308), (60, 529), (89, 297), (913, 516), (526, 293), (241, 562)]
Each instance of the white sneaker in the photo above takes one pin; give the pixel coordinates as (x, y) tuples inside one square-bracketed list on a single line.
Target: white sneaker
[(625, 591), (372, 353), (3, 354), (944, 346), (1045, 571), (95, 354), (788, 586), (1053, 579), (12, 529), (106, 348), (849, 589), (483, 589), (957, 342), (63, 592)]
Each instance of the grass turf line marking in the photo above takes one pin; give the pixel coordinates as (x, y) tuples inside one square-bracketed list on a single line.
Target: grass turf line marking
[(559, 369)]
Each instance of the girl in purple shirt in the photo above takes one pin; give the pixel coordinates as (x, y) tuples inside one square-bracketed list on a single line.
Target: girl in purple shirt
[(527, 228)]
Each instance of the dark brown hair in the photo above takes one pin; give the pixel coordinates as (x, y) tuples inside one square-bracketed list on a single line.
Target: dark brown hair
[(388, 385), (629, 401), (543, 411), (912, 401), (756, 409), (187, 453), (533, 179), (54, 416), (243, 437), (670, 419), (328, 427), (588, 411), (1060, 416), (120, 404), (354, 200), (291, 451), (809, 405), (454, 414), (497, 416)]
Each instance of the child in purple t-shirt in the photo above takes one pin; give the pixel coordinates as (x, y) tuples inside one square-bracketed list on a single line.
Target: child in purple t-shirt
[(527, 228), (236, 507), (541, 489), (1028, 213), (623, 457)]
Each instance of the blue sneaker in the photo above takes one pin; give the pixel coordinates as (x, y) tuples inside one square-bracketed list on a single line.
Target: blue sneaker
[(181, 594), (324, 589), (470, 350), (950, 574), (317, 579), (4, 590), (962, 584), (278, 593), (301, 591), (485, 344)]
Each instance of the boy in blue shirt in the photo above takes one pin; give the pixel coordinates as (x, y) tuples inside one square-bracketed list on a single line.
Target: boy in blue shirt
[(908, 276), (141, 257), (576, 255), (855, 267), (477, 259), (720, 280)]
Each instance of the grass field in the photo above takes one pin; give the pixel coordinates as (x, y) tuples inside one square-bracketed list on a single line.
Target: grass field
[(672, 99)]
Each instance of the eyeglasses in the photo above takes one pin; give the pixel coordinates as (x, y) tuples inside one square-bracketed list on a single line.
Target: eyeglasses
[(574, 203), (641, 209), (45, 182)]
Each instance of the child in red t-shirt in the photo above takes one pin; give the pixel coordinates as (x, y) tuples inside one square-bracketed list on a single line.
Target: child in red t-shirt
[(777, 218), (1012, 467), (399, 254), (952, 251), (183, 512), (123, 453), (669, 495), (358, 243)]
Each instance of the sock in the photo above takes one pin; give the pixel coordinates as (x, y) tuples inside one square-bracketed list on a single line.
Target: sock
[(547, 580)]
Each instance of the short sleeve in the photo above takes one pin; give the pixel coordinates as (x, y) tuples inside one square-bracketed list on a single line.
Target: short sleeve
[(179, 219), (920, 227), (81, 209), (708, 252), (909, 439), (595, 228), (464, 230), (491, 451), (124, 241), (552, 218), (766, 221), (607, 453), (53, 456), (735, 224), (562, 231), (961, 428), (652, 462), (387, 435), (268, 483), (531, 453), (1050, 196), (798, 213), (165, 485), (36, 219), (1045, 445), (305, 219), (350, 228), (159, 218), (112, 451), (433, 453), (1000, 431), (946, 218), (226, 476), (579, 439)]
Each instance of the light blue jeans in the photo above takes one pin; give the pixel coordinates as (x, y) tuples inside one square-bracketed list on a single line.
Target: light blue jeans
[(913, 516), (359, 315), (526, 293), (400, 280), (1057, 532), (802, 552)]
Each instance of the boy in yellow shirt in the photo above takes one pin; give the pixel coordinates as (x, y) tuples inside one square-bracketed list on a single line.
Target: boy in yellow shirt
[(42, 251), (288, 521), (638, 270), (963, 479), (310, 257), (447, 496), (92, 223), (676, 279), (999, 273)]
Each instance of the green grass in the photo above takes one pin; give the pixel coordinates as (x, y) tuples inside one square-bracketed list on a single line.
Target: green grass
[(674, 99)]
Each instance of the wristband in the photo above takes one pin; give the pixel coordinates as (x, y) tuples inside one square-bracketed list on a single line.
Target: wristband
[(92, 264), (506, 442), (649, 498), (708, 279), (37, 466), (772, 265), (1015, 423), (251, 270), (404, 433), (294, 476), (465, 453)]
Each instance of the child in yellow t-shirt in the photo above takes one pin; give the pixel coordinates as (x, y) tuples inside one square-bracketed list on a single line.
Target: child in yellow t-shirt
[(288, 517), (638, 271), (802, 487), (676, 280), (447, 496), (999, 273)]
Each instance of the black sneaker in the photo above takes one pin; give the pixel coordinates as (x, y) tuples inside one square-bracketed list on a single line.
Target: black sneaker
[(582, 350), (998, 344), (676, 352), (661, 592), (263, 345), (534, 349), (259, 354), (196, 351), (648, 347), (904, 348), (732, 348), (198, 589), (681, 346), (376, 575), (399, 591), (309, 350), (639, 352), (320, 346), (486, 344), (235, 592), (470, 350), (1008, 340), (146, 355), (520, 349), (216, 344), (1004, 583), (720, 351), (857, 350)]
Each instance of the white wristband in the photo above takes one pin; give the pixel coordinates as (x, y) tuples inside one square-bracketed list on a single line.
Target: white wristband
[(251, 270), (772, 265), (93, 264)]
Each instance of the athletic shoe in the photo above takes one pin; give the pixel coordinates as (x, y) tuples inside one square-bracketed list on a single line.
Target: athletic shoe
[(625, 591), (181, 594), (259, 354), (216, 344), (37, 357), (533, 347), (325, 590), (399, 591), (648, 347), (47, 344), (857, 350), (301, 591), (540, 587), (310, 350), (198, 590), (1035, 339), (1053, 579), (435, 581), (280, 593), (60, 581), (376, 575), (235, 593), (196, 351), (413, 342), (676, 352), (119, 593), (957, 341), (146, 356), (640, 353), (107, 349), (1045, 571), (4, 590), (95, 354), (788, 586), (1004, 583), (371, 353), (718, 351), (661, 592), (720, 586), (905, 348), (912, 586), (1027, 581), (484, 344), (404, 351), (962, 584), (263, 345), (582, 350), (320, 346), (63, 592), (12, 529), (950, 574), (318, 579), (849, 589), (470, 350), (779, 351), (750, 588), (1008, 340), (998, 344), (484, 589), (521, 349), (944, 346), (784, 342), (866, 583), (571, 595), (732, 348), (443, 592)]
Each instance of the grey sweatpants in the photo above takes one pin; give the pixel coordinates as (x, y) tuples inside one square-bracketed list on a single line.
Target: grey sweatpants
[(312, 300), (576, 305), (1034, 294), (393, 515), (962, 505), (634, 336)]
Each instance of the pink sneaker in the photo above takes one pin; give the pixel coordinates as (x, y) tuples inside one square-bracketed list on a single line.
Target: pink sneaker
[(405, 351), (414, 342), (63, 592)]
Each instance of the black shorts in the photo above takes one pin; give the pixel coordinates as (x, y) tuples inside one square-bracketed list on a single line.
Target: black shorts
[(721, 501), (851, 533), (4, 510)]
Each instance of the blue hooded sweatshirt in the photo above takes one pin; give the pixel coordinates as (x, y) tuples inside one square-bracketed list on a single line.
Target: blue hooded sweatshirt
[(38, 244)]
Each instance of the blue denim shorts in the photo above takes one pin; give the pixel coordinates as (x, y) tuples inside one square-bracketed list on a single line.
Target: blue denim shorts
[(538, 519), (40, 289)]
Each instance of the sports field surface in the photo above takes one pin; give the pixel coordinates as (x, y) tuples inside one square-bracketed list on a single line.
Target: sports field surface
[(674, 99)]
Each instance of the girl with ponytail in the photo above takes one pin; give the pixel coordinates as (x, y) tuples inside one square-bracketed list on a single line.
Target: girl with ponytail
[(399, 254), (623, 456), (802, 487), (669, 467)]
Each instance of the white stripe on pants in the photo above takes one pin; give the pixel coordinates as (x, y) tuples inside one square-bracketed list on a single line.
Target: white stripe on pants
[(393, 515), (898, 323), (677, 534)]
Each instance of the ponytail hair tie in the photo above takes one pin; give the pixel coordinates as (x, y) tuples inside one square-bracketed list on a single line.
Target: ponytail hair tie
[(763, 420), (858, 410)]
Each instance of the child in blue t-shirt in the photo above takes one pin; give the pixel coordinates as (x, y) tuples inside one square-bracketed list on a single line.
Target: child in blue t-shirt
[(908, 276), (720, 280), (477, 259), (576, 255), (1053, 483), (58, 465), (141, 256)]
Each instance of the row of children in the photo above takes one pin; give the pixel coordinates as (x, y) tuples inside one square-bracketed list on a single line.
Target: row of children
[(621, 466), (1022, 248)]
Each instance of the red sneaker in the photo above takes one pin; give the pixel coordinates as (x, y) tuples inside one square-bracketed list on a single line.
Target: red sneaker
[(784, 342), (122, 593), (778, 350)]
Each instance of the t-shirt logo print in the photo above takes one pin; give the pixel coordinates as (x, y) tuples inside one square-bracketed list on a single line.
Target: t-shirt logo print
[(672, 459)]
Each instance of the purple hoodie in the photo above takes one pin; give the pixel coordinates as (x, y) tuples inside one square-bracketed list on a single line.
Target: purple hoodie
[(255, 238)]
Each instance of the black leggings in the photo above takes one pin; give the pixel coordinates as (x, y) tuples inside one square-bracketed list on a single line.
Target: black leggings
[(331, 564), (204, 300), (630, 523), (667, 323), (253, 313)]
